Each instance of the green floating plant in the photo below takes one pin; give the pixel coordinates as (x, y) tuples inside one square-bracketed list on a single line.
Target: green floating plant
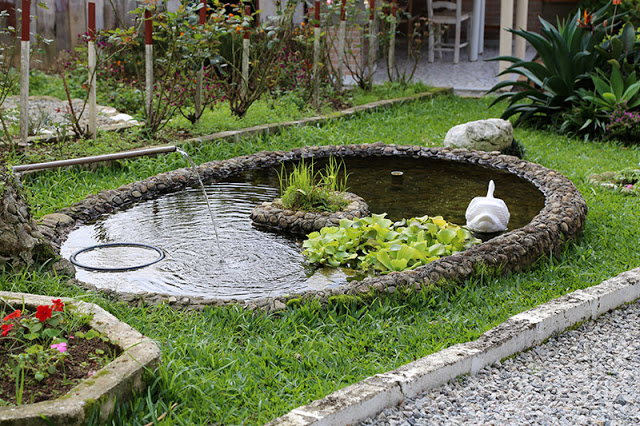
[(376, 243)]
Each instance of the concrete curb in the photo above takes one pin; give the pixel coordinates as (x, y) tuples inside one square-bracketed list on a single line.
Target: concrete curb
[(115, 382), (520, 332)]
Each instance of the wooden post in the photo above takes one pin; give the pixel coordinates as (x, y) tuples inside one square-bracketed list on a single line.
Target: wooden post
[(148, 57), (245, 55), (316, 55), (91, 47), (341, 42), (372, 40), (200, 78), (24, 73), (392, 39)]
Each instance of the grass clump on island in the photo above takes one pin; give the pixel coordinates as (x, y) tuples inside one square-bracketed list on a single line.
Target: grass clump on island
[(230, 366), (314, 191)]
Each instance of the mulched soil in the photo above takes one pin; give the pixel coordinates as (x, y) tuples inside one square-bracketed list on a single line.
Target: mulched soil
[(78, 366)]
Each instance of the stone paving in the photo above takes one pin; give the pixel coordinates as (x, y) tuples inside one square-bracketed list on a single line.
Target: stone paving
[(466, 78)]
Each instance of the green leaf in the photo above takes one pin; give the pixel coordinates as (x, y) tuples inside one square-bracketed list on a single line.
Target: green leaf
[(617, 83), (51, 332), (32, 336), (445, 236), (91, 334), (398, 264), (383, 257), (610, 98), (35, 327)]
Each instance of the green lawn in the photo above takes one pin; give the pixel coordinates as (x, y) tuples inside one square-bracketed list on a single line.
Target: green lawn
[(230, 366)]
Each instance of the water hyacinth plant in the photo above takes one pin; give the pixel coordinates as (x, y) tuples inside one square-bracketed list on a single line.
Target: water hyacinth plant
[(377, 244)]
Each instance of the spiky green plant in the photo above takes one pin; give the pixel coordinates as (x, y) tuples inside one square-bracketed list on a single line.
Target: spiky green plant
[(568, 57)]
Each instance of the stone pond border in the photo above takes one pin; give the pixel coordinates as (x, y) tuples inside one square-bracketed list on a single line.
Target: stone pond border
[(561, 220), (115, 382), (273, 216)]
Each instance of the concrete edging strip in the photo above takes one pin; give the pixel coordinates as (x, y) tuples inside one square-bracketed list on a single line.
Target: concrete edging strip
[(115, 382), (519, 333)]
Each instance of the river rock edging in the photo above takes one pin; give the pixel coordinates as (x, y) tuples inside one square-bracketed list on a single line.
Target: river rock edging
[(560, 221), (273, 216)]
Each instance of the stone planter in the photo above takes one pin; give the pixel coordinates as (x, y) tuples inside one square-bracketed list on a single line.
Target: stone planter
[(273, 216), (115, 382)]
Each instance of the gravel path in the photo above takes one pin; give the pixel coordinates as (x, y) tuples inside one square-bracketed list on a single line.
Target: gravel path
[(586, 376), (48, 114)]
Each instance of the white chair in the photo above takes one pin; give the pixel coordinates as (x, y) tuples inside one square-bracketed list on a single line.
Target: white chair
[(447, 13)]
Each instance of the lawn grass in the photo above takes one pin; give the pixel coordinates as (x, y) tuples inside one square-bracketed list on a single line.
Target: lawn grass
[(230, 366), (218, 118)]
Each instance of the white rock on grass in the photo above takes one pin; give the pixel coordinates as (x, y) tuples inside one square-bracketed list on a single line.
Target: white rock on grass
[(493, 134)]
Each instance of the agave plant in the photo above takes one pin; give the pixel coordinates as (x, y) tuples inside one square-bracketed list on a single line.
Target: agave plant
[(567, 54)]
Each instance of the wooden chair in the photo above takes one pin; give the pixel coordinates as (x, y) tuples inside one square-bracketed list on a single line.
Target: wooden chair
[(447, 13)]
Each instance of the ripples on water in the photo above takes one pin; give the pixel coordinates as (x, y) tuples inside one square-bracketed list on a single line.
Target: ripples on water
[(258, 263)]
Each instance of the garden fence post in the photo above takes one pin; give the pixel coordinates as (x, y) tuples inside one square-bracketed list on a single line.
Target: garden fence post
[(91, 47), (148, 62), (24, 73), (245, 56), (372, 40), (200, 77), (316, 55), (342, 29), (392, 39)]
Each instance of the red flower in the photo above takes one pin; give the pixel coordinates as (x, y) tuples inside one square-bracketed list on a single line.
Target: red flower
[(58, 305), (44, 312), (15, 314), (5, 329), (617, 2)]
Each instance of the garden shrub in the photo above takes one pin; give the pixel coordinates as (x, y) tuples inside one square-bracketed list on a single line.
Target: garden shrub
[(588, 69)]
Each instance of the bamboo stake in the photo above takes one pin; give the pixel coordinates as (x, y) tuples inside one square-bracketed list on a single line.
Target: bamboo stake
[(372, 41), (200, 77), (148, 61), (24, 73), (341, 42), (392, 40), (91, 47), (246, 44), (316, 55)]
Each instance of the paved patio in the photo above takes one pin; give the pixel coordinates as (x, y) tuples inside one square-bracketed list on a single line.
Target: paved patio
[(466, 78)]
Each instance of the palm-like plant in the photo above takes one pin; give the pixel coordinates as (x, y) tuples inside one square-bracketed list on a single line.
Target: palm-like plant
[(567, 58)]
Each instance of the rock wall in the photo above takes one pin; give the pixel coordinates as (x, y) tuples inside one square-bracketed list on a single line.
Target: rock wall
[(21, 243), (273, 216)]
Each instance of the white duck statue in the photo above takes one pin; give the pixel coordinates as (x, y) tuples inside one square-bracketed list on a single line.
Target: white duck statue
[(487, 214)]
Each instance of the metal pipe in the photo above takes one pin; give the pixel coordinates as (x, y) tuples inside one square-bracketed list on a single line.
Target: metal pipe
[(95, 159)]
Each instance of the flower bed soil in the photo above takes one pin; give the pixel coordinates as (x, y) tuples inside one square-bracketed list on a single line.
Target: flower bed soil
[(79, 365)]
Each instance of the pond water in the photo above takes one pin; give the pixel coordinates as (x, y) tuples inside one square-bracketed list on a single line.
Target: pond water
[(258, 263)]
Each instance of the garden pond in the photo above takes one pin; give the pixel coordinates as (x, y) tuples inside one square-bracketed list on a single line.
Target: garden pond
[(254, 263)]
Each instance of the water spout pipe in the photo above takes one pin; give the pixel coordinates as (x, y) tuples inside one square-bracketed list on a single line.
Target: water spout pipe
[(94, 159)]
